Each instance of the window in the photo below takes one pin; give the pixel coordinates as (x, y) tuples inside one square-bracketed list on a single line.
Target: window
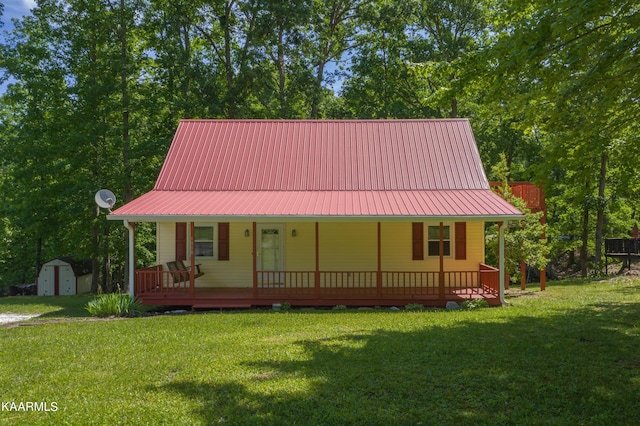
[(433, 244), (210, 240), (203, 241)]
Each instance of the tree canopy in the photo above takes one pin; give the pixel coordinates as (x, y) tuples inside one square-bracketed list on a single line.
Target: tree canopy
[(96, 88)]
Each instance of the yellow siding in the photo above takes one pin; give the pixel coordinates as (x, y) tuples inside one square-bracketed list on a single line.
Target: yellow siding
[(343, 247), (397, 248), (349, 246), (236, 272), (300, 250), (165, 242)]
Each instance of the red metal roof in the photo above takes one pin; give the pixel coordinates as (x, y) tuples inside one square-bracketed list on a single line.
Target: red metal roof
[(255, 155), (321, 168), (459, 203)]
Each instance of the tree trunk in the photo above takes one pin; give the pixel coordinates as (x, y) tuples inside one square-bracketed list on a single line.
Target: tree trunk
[(585, 240), (38, 258), (317, 93), (601, 206), (95, 263), (126, 140)]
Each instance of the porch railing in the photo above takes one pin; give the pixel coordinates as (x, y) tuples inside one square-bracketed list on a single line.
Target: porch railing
[(490, 278), (389, 283), (622, 245), (156, 280), (310, 284)]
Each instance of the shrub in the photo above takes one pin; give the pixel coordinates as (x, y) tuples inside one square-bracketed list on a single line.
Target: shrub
[(471, 304), (284, 307), (414, 307), (114, 304), (340, 308)]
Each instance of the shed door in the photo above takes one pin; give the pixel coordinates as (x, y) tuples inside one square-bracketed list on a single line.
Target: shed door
[(67, 280), (46, 281)]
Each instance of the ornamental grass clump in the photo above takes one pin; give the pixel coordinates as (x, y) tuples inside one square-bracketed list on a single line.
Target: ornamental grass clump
[(114, 304), (414, 307)]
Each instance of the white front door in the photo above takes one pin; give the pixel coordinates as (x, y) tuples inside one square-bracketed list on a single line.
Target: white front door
[(270, 247)]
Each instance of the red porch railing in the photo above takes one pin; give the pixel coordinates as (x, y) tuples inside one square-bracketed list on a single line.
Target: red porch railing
[(336, 284), (157, 280), (490, 278)]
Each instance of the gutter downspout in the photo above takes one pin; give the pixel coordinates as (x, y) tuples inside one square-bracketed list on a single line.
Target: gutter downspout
[(501, 274), (131, 258)]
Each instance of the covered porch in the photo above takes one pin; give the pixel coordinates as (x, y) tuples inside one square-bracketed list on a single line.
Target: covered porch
[(386, 270)]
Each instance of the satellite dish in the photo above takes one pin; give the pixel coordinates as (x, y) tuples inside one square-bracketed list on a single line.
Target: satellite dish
[(105, 199)]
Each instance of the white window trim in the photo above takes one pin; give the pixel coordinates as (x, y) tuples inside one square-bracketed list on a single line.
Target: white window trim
[(451, 241), (213, 225)]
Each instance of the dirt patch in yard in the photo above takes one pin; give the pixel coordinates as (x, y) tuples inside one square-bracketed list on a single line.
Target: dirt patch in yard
[(8, 318), (517, 293), (23, 322)]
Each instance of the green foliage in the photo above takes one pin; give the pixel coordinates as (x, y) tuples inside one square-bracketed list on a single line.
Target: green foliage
[(547, 83), (523, 238), (473, 304), (340, 308), (114, 304), (414, 307), (284, 307)]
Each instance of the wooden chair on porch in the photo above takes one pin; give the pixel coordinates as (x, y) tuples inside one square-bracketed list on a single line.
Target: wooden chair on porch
[(181, 272)]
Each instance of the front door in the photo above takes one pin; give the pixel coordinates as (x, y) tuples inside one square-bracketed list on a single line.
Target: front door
[(270, 253)]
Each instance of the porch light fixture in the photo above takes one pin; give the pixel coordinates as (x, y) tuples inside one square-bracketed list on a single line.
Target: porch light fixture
[(246, 232), (293, 232)]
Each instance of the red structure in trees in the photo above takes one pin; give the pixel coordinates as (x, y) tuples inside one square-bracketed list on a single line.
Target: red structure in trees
[(533, 197)]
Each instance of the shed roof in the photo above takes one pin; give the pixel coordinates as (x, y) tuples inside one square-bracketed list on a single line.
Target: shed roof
[(313, 168)]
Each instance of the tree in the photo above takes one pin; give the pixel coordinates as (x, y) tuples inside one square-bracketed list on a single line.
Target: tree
[(580, 76), (76, 66), (522, 238)]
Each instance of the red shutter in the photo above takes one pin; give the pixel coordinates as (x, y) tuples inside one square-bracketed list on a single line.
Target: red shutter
[(418, 240), (461, 240), (223, 241), (181, 241)]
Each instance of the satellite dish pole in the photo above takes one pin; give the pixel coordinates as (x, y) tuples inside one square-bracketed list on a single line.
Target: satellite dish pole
[(106, 200)]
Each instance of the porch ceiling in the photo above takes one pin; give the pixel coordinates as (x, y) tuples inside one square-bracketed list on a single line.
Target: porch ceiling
[(468, 204)]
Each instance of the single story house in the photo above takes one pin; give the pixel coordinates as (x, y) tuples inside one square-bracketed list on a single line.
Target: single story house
[(311, 212)]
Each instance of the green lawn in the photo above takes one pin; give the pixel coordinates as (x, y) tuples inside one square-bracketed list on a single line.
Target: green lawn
[(570, 355)]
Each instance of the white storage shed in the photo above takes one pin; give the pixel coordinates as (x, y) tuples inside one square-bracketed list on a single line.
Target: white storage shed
[(64, 276)]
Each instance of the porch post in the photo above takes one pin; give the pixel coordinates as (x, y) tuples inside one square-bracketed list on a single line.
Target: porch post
[(379, 274), (255, 260), (193, 260), (132, 263), (316, 274), (501, 274), (441, 272)]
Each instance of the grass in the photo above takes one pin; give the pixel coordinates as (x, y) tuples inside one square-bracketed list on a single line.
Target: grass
[(570, 355), (46, 307)]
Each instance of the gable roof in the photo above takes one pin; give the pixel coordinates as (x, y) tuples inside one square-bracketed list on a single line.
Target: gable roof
[(313, 169)]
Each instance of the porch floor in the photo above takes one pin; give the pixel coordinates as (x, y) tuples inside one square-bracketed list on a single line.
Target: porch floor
[(209, 297)]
